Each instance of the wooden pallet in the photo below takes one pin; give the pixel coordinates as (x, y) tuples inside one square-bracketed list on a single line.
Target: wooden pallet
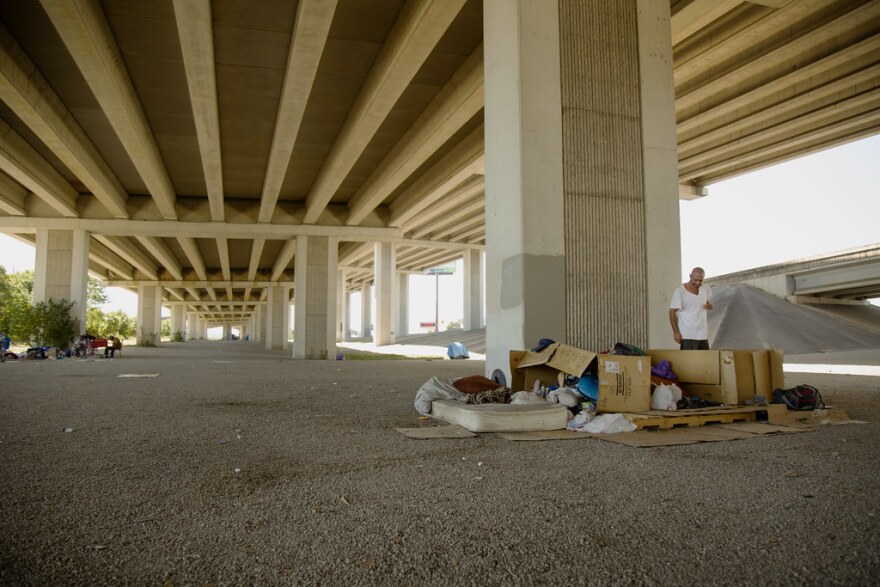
[(661, 420)]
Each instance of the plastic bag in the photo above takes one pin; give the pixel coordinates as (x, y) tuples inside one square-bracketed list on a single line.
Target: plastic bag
[(609, 424), (436, 388), (566, 396), (527, 397), (665, 397), (577, 423)]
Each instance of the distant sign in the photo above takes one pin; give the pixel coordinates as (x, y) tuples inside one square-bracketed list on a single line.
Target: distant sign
[(442, 270), (427, 324)]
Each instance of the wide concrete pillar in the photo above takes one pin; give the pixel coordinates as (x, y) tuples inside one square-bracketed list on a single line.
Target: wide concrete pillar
[(385, 283), (178, 323), (258, 324), (473, 289), (341, 305), (366, 310), (149, 315), (346, 317), (191, 318), (582, 230), (61, 271), (227, 331), (276, 324), (402, 304), (315, 277)]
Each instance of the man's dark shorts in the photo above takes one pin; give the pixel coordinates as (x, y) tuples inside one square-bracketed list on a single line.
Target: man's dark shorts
[(689, 344)]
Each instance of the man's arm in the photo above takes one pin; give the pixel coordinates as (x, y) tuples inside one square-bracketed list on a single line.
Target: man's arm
[(673, 320)]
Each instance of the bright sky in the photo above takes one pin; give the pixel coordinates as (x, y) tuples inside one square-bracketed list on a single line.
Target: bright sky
[(819, 204)]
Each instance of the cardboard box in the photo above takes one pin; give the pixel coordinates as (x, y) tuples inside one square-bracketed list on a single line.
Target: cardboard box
[(624, 381), (726, 376)]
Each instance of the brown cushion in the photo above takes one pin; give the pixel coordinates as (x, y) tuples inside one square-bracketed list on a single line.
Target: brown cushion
[(474, 384)]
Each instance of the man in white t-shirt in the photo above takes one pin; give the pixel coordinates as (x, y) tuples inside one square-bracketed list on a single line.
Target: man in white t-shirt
[(687, 312)]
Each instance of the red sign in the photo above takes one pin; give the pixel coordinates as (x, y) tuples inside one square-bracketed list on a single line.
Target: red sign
[(427, 324)]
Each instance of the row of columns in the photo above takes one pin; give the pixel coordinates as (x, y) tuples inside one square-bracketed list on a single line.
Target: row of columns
[(582, 225)]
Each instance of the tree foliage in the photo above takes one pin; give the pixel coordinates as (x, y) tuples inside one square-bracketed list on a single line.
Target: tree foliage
[(15, 304), (50, 324)]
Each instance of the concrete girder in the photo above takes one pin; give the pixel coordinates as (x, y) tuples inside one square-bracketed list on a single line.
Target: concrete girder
[(446, 224), (352, 251), (194, 26), (459, 100), (835, 64), (473, 220), (247, 294), (211, 293), (690, 102), (464, 161), (256, 253), (697, 14), (691, 191), (418, 28), (192, 252), (101, 254), (703, 64), (27, 93), (194, 293), (12, 196), (176, 293), (288, 250), (132, 254), (832, 92), (852, 112), (429, 259), (452, 200), (162, 253), (223, 252), (229, 296), (230, 304), (22, 163), (84, 30), (863, 124), (312, 25)]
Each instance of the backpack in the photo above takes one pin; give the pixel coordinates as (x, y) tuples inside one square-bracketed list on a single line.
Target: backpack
[(801, 397)]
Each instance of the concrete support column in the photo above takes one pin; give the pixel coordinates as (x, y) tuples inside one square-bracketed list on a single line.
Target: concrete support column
[(191, 318), (227, 331), (61, 271), (341, 305), (258, 324), (402, 304), (149, 316), (286, 318), (346, 317), (615, 197), (178, 321), (385, 280), (366, 310), (316, 273), (473, 289), (276, 328)]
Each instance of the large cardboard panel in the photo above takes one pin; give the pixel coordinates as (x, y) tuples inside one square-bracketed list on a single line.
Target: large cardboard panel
[(534, 358), (761, 365), (777, 375), (571, 360), (727, 366), (691, 366), (624, 383), (745, 375)]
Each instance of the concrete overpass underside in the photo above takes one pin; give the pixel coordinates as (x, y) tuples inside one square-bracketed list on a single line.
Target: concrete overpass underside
[(194, 142)]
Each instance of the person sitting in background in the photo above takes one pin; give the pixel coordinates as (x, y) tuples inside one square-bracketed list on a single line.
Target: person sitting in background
[(113, 344)]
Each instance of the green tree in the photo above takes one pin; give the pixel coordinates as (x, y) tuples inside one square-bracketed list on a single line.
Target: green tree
[(96, 294), (50, 323), (119, 323), (15, 304)]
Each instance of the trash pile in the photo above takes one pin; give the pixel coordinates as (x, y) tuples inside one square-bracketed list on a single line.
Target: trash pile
[(599, 389)]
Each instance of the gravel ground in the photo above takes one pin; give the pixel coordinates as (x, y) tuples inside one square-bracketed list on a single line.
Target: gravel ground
[(237, 466)]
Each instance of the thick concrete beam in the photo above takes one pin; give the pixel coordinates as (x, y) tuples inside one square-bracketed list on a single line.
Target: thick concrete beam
[(100, 254), (288, 250), (161, 252), (173, 229), (12, 196), (688, 191), (256, 253), (451, 221), (23, 164), (419, 27), (448, 204), (697, 14), (459, 100), (192, 252), (453, 169), (84, 29), (312, 25), (223, 252), (132, 254), (194, 26), (27, 93)]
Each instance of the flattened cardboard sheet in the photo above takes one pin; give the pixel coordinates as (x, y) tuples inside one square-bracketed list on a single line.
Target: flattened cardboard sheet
[(544, 435), (760, 428), (432, 432)]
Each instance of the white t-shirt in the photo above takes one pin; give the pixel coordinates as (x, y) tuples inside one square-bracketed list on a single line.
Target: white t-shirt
[(692, 323)]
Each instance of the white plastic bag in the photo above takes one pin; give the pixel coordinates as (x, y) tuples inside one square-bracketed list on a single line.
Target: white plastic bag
[(566, 396), (527, 397), (609, 424), (577, 423), (665, 397)]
